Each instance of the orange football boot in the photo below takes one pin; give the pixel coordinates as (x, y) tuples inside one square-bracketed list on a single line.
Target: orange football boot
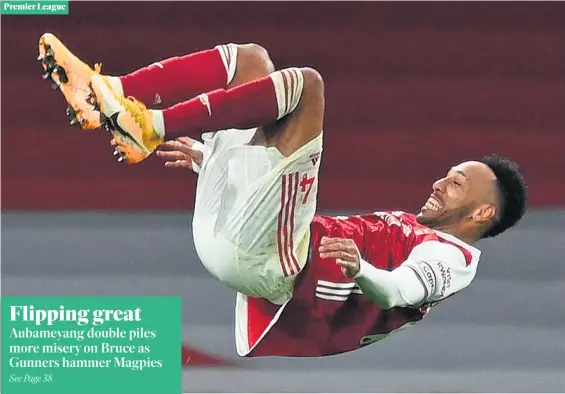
[(128, 119), (125, 152), (72, 76)]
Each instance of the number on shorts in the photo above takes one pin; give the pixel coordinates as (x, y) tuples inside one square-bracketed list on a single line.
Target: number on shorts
[(306, 187)]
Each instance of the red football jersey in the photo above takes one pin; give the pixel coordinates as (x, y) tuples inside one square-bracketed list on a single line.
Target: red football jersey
[(328, 313)]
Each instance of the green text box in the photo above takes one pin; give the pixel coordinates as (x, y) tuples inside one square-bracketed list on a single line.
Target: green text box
[(41, 7), (88, 345)]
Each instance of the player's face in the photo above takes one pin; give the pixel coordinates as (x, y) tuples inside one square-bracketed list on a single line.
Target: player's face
[(464, 195)]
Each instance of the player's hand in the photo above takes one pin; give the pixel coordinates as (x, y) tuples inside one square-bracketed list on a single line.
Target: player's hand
[(179, 153), (345, 253)]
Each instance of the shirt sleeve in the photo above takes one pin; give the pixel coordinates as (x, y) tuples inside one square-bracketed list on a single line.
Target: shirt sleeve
[(442, 269), (398, 288)]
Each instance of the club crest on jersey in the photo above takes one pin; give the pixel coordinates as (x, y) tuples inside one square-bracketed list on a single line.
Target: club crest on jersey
[(395, 219)]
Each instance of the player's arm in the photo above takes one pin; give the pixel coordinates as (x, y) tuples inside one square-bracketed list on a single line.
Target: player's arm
[(432, 271), (389, 289)]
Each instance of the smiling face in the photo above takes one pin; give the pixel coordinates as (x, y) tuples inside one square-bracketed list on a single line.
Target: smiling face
[(465, 198)]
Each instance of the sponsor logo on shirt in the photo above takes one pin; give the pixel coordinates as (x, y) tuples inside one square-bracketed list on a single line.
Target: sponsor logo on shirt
[(445, 273)]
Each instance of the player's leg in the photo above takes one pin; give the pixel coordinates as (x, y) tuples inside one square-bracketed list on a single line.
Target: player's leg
[(179, 78), (282, 204), (168, 81), (305, 123), (265, 100), (248, 105), (283, 168), (252, 223), (256, 238)]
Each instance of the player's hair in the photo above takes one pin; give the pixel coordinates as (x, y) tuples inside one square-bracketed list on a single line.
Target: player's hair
[(512, 192)]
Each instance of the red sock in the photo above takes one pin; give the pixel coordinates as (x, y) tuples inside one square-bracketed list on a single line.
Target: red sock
[(179, 78), (249, 105)]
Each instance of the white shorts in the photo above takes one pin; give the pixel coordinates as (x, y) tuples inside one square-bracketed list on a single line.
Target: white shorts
[(253, 212)]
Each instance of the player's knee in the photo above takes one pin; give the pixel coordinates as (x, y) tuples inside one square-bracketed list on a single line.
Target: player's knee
[(312, 102), (300, 97), (312, 92), (261, 56), (255, 60), (313, 82)]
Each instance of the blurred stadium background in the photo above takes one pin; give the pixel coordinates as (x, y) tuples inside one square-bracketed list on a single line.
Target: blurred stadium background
[(411, 89)]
